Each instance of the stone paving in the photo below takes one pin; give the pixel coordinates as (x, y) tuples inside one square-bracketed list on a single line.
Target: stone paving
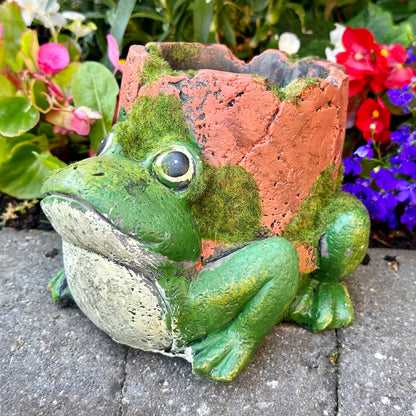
[(53, 361)]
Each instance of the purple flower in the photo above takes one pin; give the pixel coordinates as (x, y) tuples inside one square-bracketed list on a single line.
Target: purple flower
[(407, 167), (401, 97), (402, 135), (407, 191), (411, 55), (384, 179), (409, 217), (365, 151), (352, 165)]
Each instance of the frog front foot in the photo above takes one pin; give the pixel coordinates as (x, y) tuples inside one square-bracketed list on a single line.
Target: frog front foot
[(222, 355), (61, 294), (321, 305)]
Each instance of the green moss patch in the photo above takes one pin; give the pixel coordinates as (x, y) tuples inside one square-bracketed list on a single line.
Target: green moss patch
[(181, 52), (151, 122), (225, 203), (304, 227), (293, 91), (156, 67)]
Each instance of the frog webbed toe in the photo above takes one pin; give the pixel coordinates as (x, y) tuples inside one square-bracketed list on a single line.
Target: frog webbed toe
[(321, 305), (221, 355), (60, 292)]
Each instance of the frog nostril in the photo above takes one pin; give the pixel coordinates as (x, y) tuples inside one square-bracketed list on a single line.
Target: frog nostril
[(98, 174)]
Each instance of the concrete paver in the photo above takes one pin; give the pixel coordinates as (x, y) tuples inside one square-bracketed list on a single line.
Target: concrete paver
[(52, 361), (377, 357), (55, 362)]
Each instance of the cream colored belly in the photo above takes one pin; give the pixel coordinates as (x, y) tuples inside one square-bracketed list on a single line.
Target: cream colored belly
[(120, 301)]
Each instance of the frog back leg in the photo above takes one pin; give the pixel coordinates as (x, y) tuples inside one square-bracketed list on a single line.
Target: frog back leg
[(323, 301), (231, 305)]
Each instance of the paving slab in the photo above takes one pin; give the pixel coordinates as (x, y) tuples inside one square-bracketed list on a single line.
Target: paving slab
[(291, 374), (52, 361), (377, 354)]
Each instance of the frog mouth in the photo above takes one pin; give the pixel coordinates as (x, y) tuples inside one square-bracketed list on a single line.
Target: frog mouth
[(82, 225)]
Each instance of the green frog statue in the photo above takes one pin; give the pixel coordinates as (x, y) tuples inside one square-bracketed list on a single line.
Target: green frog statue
[(132, 220)]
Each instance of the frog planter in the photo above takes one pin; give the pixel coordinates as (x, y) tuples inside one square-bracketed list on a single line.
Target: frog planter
[(212, 210)]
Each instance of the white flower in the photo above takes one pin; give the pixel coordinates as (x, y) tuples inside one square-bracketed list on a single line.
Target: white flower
[(289, 43), (36, 9), (73, 16), (335, 37), (50, 17)]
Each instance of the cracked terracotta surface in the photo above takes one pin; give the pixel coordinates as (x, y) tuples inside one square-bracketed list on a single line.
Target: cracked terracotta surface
[(237, 119)]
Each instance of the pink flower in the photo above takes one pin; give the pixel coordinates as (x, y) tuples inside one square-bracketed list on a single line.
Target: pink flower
[(52, 57), (1, 31), (114, 53), (72, 120), (82, 118)]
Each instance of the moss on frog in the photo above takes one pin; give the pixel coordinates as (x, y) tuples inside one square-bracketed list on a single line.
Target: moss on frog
[(151, 122), (293, 91), (304, 227), (225, 203)]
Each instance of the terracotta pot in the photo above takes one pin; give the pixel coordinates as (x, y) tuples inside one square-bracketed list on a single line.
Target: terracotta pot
[(237, 117)]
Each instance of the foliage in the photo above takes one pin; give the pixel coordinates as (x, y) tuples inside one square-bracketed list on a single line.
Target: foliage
[(382, 172), (52, 106)]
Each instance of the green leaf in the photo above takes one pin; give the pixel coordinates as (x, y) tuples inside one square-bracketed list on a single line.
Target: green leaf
[(2, 53), (7, 89), (95, 87), (11, 142), (17, 115), (24, 172), (64, 77), (380, 23), (13, 28), (30, 48), (227, 29), (401, 34), (39, 96), (148, 13), (121, 18), (203, 13)]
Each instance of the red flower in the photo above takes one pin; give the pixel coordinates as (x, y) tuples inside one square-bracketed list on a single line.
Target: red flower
[(356, 84), (373, 117), (382, 137), (390, 62), (360, 51)]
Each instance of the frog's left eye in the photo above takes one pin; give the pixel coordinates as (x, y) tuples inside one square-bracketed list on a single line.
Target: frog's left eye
[(105, 143), (175, 168)]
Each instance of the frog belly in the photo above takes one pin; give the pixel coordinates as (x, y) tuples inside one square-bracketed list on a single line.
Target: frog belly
[(123, 303)]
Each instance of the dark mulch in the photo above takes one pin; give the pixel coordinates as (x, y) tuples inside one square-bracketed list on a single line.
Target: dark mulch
[(32, 218), (381, 236)]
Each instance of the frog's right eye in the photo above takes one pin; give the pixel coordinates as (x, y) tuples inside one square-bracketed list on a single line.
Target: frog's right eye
[(175, 167), (105, 143)]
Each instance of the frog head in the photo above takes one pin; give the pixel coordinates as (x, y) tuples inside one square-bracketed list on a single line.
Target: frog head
[(139, 192)]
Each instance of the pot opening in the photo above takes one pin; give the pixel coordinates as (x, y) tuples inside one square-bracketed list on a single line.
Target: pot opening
[(272, 64)]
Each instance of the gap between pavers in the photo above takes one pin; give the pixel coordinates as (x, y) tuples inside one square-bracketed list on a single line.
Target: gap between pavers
[(54, 361)]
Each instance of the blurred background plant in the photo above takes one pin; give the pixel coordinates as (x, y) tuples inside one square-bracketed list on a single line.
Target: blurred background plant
[(101, 31), (53, 108)]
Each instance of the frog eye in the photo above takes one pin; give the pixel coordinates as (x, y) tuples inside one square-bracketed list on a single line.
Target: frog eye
[(105, 143), (175, 168)]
